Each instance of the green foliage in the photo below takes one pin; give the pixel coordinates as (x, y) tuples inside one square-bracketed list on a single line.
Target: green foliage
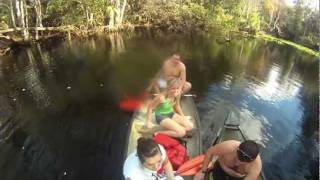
[(228, 17), (254, 21), (76, 12), (4, 15), (194, 15), (222, 20), (301, 25), (171, 15), (223, 17), (298, 23), (4, 22)]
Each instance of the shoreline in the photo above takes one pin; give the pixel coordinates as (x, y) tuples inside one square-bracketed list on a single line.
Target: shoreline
[(271, 38), (7, 42)]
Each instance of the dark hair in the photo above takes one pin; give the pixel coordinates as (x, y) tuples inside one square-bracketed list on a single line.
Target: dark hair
[(248, 151), (146, 148)]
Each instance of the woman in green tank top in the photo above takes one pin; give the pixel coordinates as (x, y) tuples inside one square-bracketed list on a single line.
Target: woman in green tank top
[(168, 112)]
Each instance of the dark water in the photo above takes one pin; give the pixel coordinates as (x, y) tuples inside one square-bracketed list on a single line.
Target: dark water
[(59, 117)]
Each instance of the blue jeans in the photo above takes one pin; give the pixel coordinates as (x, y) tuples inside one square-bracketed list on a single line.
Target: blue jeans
[(161, 117)]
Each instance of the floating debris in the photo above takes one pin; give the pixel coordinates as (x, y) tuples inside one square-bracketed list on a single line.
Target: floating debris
[(23, 89), (101, 85), (14, 99), (69, 87), (65, 173)]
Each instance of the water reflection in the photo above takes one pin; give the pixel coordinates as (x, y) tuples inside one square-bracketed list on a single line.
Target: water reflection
[(59, 115), (117, 44), (274, 89), (33, 82), (266, 90)]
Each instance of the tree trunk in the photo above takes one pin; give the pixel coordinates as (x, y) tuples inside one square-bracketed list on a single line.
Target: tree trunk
[(117, 13), (87, 17), (18, 12), (37, 7), (24, 6), (22, 19), (276, 20), (13, 21), (111, 21), (40, 13), (122, 10)]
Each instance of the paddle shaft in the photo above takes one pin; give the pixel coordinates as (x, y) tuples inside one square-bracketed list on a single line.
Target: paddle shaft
[(185, 95)]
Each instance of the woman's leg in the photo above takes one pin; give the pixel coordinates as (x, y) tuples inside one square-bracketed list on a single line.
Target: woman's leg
[(172, 128), (183, 121)]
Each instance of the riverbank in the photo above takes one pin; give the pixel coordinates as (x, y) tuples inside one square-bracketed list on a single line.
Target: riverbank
[(12, 37), (271, 38)]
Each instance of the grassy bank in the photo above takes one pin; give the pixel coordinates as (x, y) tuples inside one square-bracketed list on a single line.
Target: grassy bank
[(282, 41)]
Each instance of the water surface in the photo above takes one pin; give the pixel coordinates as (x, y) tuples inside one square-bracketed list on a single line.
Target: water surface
[(59, 114)]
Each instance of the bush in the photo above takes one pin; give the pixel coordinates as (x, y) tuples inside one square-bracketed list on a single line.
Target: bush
[(173, 16), (221, 20)]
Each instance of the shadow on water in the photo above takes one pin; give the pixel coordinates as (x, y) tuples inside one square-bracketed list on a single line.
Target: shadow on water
[(59, 115)]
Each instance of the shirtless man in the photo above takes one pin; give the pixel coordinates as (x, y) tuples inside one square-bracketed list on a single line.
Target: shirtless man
[(173, 68), (234, 159)]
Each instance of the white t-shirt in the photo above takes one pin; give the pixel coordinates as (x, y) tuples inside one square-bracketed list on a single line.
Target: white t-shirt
[(134, 170)]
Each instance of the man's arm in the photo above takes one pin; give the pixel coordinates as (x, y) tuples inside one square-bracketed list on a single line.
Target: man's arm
[(215, 151), (210, 154), (222, 148), (255, 170), (183, 75)]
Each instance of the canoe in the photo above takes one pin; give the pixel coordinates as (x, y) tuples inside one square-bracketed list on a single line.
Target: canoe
[(137, 129), (231, 130)]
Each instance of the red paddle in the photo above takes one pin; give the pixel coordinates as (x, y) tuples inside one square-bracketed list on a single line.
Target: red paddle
[(191, 167), (130, 103), (133, 103)]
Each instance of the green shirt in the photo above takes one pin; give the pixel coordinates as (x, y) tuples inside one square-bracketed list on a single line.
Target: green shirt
[(164, 108)]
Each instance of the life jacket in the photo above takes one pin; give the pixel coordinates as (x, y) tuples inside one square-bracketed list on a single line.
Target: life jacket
[(176, 152)]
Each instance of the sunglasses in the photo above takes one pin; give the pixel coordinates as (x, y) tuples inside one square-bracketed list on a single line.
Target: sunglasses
[(244, 157)]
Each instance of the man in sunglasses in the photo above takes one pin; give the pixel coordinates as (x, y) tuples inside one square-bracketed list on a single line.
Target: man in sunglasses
[(233, 160)]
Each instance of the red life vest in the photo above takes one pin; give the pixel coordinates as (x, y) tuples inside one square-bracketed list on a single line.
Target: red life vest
[(176, 152)]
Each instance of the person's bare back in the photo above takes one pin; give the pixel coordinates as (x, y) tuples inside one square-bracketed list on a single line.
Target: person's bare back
[(173, 68)]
